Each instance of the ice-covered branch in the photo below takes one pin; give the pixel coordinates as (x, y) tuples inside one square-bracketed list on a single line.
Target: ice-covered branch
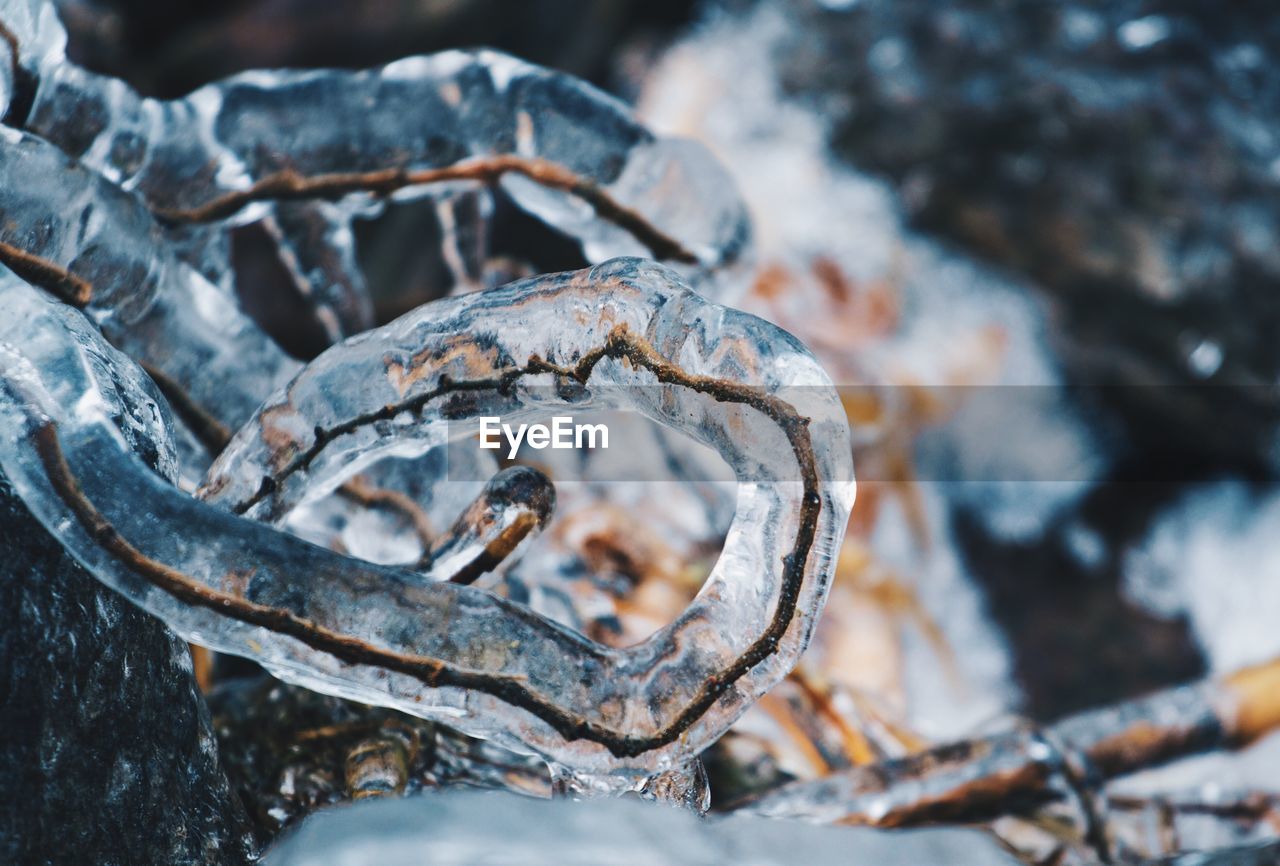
[(71, 232), (980, 778), (247, 147), (439, 649)]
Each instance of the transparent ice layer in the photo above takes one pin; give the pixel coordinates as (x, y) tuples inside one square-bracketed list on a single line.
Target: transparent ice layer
[(54, 363), (82, 238), (136, 228), (485, 665), (273, 143), (33, 27)]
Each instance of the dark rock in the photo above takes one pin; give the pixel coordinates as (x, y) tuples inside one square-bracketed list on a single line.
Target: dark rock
[(105, 741), (1126, 156)]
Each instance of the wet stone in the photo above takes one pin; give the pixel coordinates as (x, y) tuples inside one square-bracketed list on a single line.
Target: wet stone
[(106, 747)]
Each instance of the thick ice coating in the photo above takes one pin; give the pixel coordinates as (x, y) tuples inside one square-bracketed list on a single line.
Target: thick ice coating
[(84, 240), (134, 227), (310, 150), (629, 331), (53, 361), (31, 38), (417, 113)]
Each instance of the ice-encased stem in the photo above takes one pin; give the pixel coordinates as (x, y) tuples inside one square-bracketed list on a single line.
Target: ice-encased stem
[(488, 667), (569, 154), (91, 244)]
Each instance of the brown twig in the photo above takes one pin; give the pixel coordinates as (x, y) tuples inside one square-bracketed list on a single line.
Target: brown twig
[(996, 774), (24, 85), (215, 436), (436, 673), (516, 502), (202, 666), (363, 492), (15, 61), (787, 718), (857, 747), (290, 185), (53, 278), (496, 551)]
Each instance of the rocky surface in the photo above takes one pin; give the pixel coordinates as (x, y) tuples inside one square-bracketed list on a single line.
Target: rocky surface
[(107, 750)]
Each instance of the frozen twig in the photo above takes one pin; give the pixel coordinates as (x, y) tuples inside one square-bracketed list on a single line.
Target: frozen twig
[(436, 649), (281, 145), (1008, 771)]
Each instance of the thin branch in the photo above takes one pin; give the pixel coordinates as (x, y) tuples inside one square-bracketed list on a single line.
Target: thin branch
[(289, 185), (56, 280), (215, 436), (363, 492), (212, 433), (979, 778)]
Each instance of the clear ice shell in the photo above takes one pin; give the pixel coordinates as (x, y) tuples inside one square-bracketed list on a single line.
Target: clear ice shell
[(510, 675), (152, 306), (40, 37), (417, 113), (54, 362), (7, 66)]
